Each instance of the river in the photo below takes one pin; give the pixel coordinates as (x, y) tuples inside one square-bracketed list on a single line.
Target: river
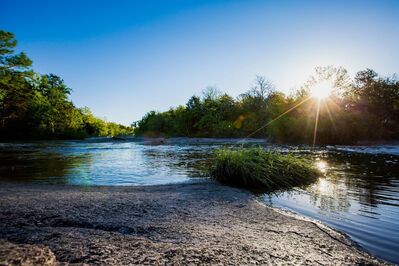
[(358, 193)]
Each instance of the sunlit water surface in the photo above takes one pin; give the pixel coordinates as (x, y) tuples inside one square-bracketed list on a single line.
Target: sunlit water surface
[(358, 194)]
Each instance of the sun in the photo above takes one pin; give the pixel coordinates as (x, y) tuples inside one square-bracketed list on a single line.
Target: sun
[(321, 90)]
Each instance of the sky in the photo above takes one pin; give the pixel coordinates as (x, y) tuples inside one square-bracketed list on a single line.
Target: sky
[(124, 58)]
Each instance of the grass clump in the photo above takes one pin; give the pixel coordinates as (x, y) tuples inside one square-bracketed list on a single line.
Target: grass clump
[(257, 168)]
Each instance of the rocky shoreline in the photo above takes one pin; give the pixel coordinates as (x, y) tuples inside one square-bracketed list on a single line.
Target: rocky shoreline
[(192, 223)]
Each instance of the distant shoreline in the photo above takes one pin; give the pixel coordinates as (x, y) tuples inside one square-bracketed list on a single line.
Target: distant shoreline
[(252, 139)]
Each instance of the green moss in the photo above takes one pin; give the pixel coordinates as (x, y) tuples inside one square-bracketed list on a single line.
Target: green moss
[(259, 169)]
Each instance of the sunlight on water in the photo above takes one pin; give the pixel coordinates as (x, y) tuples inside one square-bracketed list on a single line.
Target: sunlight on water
[(323, 187), (321, 165)]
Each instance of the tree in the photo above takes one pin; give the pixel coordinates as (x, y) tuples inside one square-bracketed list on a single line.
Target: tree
[(363, 108), (262, 88), (15, 89), (377, 99), (38, 106)]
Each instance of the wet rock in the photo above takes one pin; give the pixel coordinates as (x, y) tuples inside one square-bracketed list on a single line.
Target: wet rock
[(185, 224)]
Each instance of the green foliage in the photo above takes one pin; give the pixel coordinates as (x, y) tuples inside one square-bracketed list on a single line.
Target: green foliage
[(36, 106), (260, 169), (363, 109)]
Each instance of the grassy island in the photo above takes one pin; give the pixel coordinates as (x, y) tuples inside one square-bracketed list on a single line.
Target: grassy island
[(260, 169)]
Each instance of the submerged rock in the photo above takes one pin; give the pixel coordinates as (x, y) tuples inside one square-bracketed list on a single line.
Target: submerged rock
[(117, 138)]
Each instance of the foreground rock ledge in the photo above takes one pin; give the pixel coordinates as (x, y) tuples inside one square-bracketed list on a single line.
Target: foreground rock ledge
[(193, 223)]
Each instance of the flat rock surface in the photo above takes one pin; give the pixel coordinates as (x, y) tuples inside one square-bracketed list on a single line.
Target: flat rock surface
[(190, 223), (12, 254)]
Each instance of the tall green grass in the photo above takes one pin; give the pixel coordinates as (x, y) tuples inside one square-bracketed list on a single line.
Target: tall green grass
[(259, 169)]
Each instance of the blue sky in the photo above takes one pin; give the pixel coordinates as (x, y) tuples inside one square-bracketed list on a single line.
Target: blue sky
[(124, 58)]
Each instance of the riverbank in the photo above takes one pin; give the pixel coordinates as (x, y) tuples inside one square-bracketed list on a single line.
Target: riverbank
[(197, 223)]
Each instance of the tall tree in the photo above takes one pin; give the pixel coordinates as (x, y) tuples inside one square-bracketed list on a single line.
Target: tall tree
[(15, 86)]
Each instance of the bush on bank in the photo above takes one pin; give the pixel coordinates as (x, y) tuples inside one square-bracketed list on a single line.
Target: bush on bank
[(260, 169)]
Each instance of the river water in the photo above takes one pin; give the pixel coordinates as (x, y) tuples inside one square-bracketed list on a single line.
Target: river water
[(358, 193)]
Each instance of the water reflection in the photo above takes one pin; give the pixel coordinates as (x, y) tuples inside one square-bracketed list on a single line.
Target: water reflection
[(330, 196), (103, 162), (321, 165), (358, 194), (368, 178), (31, 166)]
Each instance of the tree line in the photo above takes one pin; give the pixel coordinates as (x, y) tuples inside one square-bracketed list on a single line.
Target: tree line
[(36, 106), (363, 108)]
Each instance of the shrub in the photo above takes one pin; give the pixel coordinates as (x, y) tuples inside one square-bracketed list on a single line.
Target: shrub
[(260, 169)]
